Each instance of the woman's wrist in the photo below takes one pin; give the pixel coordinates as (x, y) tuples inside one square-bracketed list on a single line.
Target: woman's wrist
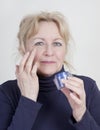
[(80, 115), (32, 97)]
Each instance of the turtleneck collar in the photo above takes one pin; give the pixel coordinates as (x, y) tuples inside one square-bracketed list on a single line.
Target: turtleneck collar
[(47, 83)]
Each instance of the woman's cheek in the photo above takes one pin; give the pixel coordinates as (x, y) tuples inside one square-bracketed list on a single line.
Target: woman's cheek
[(38, 56), (61, 56)]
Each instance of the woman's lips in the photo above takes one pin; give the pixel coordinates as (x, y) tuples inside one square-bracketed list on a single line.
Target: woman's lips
[(48, 62)]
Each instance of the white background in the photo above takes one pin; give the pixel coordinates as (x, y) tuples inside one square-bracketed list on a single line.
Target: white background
[(84, 20)]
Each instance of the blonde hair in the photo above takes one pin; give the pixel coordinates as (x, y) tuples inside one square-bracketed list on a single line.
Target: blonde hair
[(29, 26)]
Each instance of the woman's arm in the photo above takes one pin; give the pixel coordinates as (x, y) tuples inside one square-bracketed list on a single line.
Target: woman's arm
[(91, 118), (23, 117)]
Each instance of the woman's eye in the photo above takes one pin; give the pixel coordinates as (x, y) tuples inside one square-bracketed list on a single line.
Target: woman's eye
[(39, 44), (57, 44)]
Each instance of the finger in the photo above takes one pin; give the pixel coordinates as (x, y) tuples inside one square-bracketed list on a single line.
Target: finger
[(23, 62), (75, 98), (74, 85), (71, 87), (71, 96), (30, 61), (65, 91), (73, 78), (78, 91), (34, 69)]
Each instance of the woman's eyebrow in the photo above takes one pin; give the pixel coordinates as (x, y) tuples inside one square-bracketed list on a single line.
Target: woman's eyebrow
[(38, 38), (58, 39)]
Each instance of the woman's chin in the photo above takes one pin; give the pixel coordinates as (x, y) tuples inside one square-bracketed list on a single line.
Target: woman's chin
[(46, 73)]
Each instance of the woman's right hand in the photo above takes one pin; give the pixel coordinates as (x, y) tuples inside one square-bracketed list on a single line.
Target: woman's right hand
[(26, 73)]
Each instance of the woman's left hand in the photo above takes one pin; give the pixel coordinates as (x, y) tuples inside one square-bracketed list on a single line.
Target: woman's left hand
[(75, 93)]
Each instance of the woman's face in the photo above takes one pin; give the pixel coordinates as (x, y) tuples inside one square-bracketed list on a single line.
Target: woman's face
[(50, 48)]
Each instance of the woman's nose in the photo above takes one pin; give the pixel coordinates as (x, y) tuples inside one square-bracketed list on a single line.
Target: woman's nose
[(48, 50)]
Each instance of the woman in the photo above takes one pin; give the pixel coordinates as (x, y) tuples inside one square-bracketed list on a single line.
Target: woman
[(32, 102)]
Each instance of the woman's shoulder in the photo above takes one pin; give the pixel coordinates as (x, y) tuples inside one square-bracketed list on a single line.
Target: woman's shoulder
[(9, 83), (86, 79), (89, 83), (9, 87), (90, 86)]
